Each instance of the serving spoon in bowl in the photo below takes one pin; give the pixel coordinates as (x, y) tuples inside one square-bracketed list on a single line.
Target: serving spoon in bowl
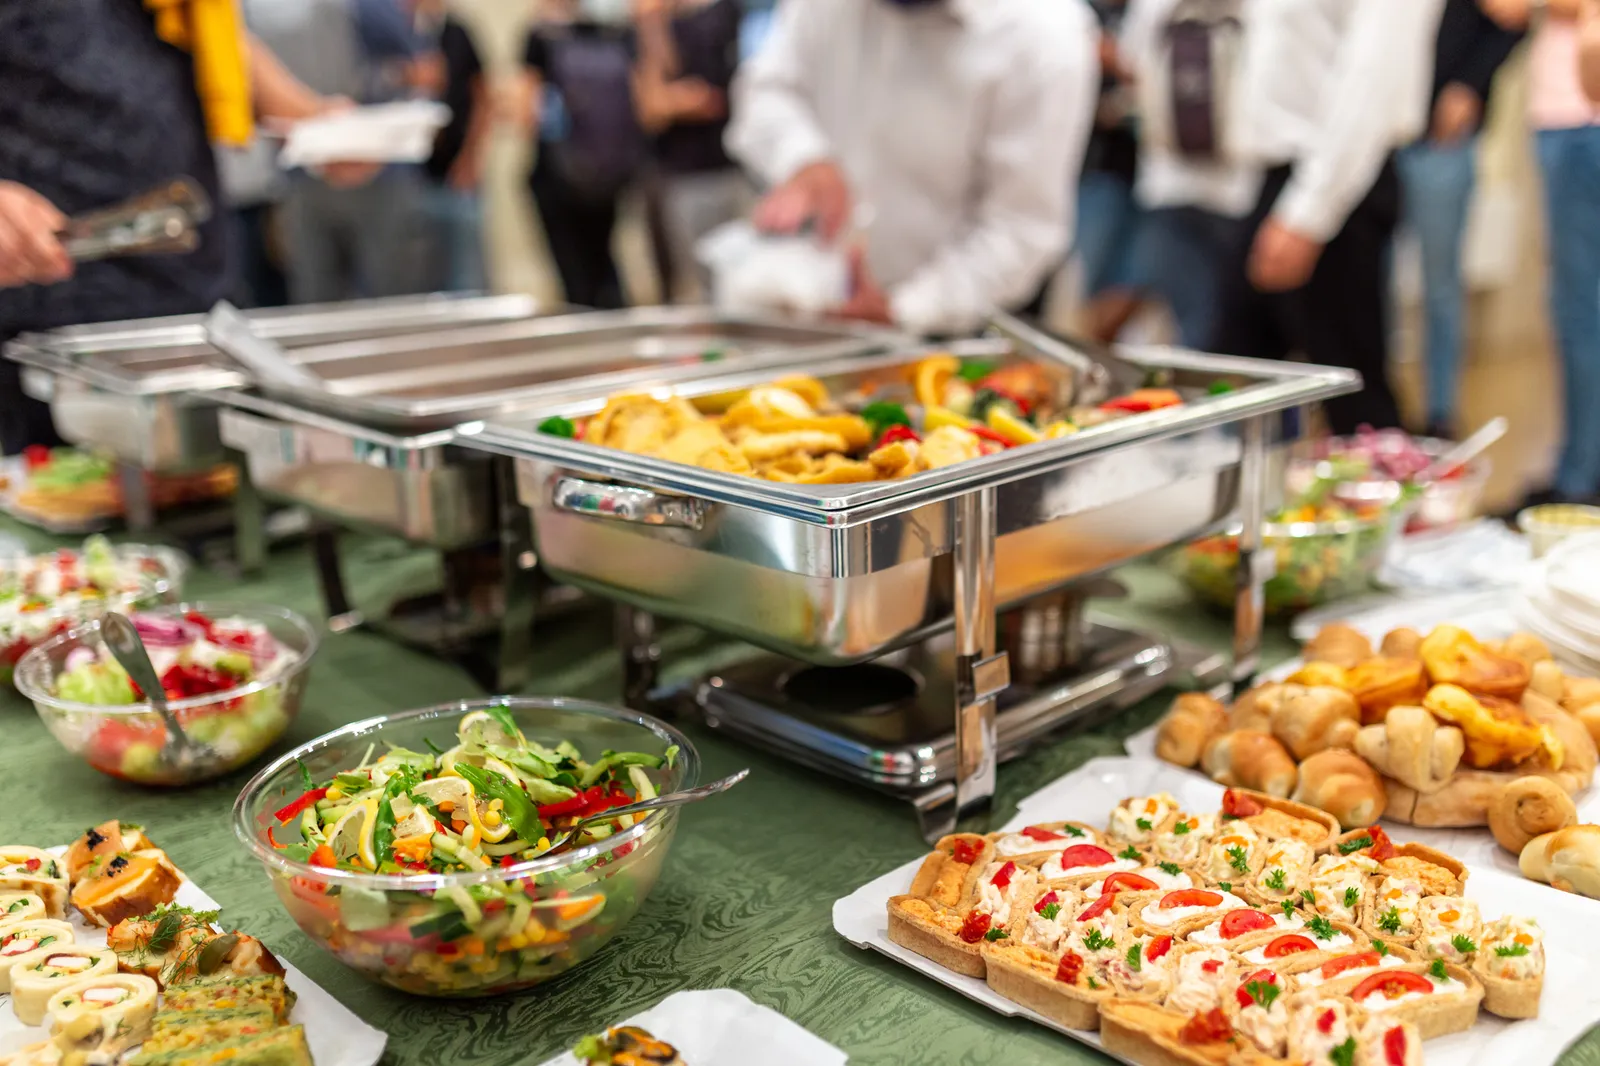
[(127, 647), (667, 799)]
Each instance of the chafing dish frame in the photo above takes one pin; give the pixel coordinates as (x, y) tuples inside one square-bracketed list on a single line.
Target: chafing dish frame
[(668, 495)]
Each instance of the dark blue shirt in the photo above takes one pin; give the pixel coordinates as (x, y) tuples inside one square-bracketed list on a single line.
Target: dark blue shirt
[(94, 109)]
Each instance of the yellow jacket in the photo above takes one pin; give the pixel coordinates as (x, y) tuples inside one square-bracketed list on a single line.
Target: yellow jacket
[(213, 33)]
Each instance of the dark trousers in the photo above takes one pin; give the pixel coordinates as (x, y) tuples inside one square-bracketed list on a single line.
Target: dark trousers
[(578, 229), (261, 279), (23, 420), (1338, 318)]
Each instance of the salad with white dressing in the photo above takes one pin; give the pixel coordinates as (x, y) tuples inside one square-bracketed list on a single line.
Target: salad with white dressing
[(494, 801)]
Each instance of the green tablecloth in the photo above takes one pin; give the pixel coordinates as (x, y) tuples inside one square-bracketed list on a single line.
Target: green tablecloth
[(745, 901)]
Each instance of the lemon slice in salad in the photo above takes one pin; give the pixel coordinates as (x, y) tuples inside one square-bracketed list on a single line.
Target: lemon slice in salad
[(479, 729), (351, 836), (458, 793)]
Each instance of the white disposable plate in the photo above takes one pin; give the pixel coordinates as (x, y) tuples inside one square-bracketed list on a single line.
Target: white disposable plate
[(337, 1037), (1572, 572), (721, 1027), (1572, 983)]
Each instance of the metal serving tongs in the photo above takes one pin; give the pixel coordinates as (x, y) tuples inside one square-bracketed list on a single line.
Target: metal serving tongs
[(127, 647), (231, 333), (163, 221), (1098, 373)]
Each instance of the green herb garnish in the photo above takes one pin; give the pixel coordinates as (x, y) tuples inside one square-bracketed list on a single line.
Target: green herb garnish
[(1093, 983), (1226, 886), (1511, 951), (1309, 896), (1389, 920), (1050, 911), (1238, 859), (1143, 824), (1171, 869), (975, 370), (1321, 928), (1352, 896), (1277, 880), (1288, 908), (1344, 1054), (1350, 846), (1135, 961), (1263, 992), (1380, 947), (556, 426), (1437, 970), (1218, 388), (305, 776), (1463, 943), (1095, 940), (995, 934), (1130, 852), (1072, 831), (882, 415)]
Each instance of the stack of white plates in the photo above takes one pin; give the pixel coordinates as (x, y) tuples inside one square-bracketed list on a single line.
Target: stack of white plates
[(1560, 602)]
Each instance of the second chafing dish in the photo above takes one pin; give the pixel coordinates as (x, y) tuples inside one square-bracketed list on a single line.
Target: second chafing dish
[(140, 389)]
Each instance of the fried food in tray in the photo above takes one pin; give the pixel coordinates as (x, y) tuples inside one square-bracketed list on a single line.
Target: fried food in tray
[(1264, 936), (940, 412)]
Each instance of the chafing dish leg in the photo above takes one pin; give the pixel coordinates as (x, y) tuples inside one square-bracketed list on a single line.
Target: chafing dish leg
[(330, 578), (1254, 564), (981, 674), (521, 581), (641, 656), (249, 520), (138, 508)]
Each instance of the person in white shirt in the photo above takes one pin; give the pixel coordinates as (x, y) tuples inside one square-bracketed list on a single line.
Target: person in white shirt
[(958, 125), (1324, 92), (1194, 197)]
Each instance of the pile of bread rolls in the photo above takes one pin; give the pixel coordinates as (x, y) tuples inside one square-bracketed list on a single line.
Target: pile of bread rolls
[(1439, 730)]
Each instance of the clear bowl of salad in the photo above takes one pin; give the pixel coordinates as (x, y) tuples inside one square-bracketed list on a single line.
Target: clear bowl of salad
[(46, 594), (1370, 462), (421, 848), (1321, 552), (234, 675)]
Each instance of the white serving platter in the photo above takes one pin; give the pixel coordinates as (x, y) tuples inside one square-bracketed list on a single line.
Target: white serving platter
[(337, 1037), (1571, 1001), (721, 1027)]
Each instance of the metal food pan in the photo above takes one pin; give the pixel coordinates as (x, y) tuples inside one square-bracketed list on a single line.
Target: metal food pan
[(416, 487), (137, 389), (424, 381), (839, 574)]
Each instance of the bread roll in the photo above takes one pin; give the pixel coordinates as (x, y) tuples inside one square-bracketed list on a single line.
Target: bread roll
[(1343, 784), (1401, 643), (1529, 807), (1548, 681), (1320, 673), (1413, 748), (1194, 719), (1527, 647), (1580, 696), (1568, 859), (1379, 684), (1309, 720), (1245, 758), (1575, 746), (1253, 710), (1339, 644)]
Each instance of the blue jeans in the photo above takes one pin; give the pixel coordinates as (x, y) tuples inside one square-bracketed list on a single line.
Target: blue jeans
[(1570, 160), (455, 225), (1108, 222), (1183, 252), (1436, 184)]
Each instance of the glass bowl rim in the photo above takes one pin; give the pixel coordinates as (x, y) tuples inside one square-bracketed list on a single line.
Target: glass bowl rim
[(175, 566), (217, 607), (246, 831)]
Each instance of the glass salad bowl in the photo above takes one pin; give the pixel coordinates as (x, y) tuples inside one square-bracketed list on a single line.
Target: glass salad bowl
[(352, 832), (1333, 555), (234, 675), (48, 593)]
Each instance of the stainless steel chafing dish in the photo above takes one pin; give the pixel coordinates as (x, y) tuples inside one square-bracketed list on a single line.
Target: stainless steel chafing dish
[(139, 389), (840, 574)]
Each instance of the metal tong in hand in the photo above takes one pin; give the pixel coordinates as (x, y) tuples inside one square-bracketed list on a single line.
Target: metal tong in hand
[(163, 221)]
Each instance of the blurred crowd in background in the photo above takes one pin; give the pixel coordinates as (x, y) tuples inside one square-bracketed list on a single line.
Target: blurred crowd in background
[(1243, 166)]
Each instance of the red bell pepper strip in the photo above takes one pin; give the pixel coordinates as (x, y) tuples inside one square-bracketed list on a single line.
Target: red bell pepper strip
[(897, 433), (309, 799), (324, 856), (1141, 400), (985, 433)]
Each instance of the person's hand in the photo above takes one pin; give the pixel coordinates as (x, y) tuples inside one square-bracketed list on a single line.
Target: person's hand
[(817, 192), (1509, 14), (1456, 114), (466, 173), (30, 251), (868, 302), (1282, 260), (698, 100), (351, 175), (427, 74)]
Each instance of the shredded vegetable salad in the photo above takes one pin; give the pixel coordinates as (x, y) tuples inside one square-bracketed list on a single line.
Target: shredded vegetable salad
[(495, 799)]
